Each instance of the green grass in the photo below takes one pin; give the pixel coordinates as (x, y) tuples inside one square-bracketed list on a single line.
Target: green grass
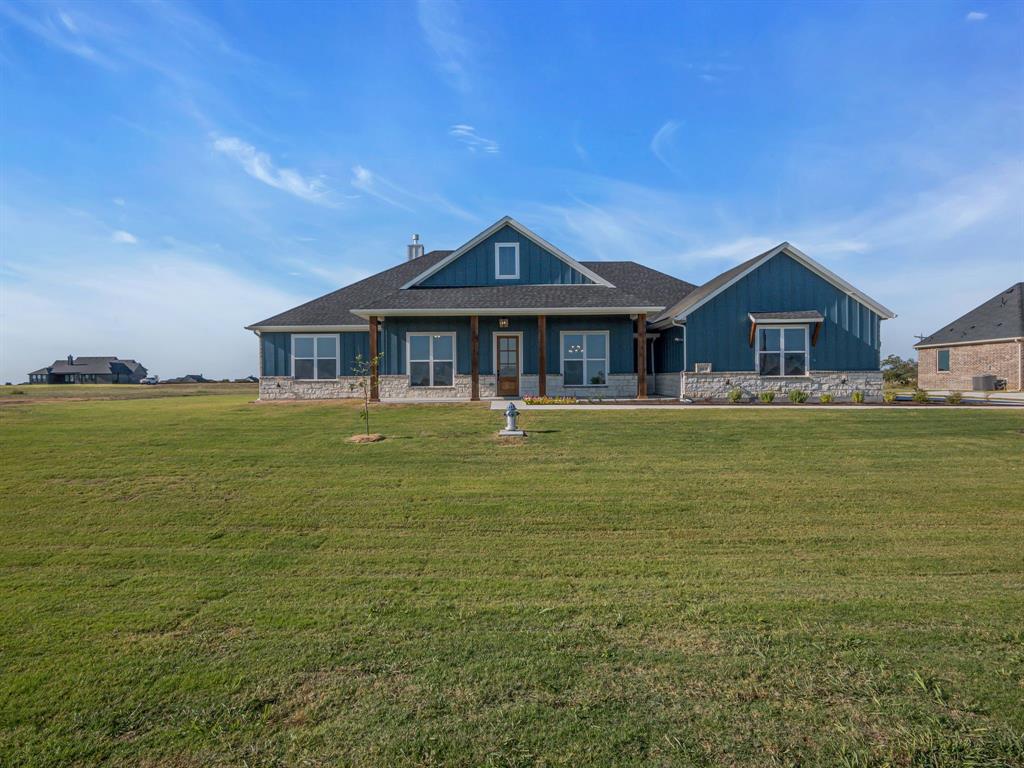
[(204, 581), (34, 392)]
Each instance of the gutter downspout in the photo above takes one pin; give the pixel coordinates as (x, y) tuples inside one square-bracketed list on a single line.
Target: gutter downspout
[(682, 387)]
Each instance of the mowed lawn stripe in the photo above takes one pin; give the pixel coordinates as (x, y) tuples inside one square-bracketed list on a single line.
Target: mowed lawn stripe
[(204, 580)]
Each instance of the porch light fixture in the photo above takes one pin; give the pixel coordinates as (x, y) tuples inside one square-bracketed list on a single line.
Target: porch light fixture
[(503, 322)]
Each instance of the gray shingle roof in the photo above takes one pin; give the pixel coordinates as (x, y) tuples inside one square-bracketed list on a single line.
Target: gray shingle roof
[(1000, 317), (102, 365), (635, 286), (333, 308)]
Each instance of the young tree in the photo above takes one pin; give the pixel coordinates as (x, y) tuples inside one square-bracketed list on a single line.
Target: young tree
[(899, 372), (364, 368)]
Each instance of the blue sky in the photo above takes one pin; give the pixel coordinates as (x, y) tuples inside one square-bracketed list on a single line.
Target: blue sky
[(172, 171)]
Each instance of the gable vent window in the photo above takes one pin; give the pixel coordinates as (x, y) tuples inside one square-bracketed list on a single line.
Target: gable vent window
[(314, 357), (506, 261)]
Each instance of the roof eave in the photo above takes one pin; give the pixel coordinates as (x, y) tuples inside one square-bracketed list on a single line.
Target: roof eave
[(494, 311)]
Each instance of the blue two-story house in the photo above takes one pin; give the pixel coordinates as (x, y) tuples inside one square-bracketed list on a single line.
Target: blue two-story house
[(509, 315)]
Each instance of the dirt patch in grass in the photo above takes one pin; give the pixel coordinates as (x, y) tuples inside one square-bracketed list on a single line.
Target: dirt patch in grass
[(372, 438)]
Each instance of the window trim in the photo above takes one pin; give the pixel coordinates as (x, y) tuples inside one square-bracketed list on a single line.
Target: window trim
[(316, 358), (497, 261), (431, 360), (949, 360), (607, 357), (782, 351)]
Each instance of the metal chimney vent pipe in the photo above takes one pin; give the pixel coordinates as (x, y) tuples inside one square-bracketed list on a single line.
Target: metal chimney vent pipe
[(415, 248)]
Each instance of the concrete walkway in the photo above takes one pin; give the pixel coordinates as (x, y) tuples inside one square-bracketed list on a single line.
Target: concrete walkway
[(626, 405)]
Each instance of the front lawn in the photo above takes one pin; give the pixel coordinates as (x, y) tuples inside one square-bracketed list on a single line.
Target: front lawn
[(206, 581)]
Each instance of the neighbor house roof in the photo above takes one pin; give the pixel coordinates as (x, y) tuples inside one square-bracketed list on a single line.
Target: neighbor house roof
[(717, 284), (637, 288), (100, 365), (1001, 317)]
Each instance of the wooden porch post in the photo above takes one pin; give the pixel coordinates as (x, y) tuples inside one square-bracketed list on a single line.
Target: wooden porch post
[(542, 355), (641, 357), (374, 383), (474, 331)]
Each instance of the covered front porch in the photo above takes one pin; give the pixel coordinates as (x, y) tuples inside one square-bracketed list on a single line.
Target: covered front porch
[(492, 356)]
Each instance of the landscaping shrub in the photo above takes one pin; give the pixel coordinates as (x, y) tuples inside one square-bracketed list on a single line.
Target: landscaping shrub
[(826, 398), (920, 396), (857, 396), (767, 397), (798, 396), (735, 395), (547, 400), (955, 398), (889, 396)]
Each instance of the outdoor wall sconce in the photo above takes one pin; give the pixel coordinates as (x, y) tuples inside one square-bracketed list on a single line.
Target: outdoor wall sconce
[(503, 322), (511, 429)]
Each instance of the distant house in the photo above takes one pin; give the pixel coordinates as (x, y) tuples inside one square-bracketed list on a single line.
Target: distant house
[(509, 314), (90, 370), (189, 378), (988, 340)]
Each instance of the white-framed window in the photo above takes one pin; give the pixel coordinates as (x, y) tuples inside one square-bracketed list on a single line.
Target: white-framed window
[(942, 361), (506, 261), (584, 358), (782, 350), (314, 357), (431, 358)]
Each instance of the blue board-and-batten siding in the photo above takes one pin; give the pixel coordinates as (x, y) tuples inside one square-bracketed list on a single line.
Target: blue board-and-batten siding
[(619, 327), (537, 266), (718, 332), (277, 351)]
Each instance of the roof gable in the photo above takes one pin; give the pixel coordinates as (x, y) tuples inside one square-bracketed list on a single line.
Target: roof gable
[(708, 291), (1001, 317), (474, 263)]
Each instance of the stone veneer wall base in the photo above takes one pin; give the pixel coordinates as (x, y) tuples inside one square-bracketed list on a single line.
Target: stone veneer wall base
[(397, 389), (840, 384)]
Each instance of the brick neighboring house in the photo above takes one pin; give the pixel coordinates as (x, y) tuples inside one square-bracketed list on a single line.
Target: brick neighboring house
[(90, 370), (987, 340)]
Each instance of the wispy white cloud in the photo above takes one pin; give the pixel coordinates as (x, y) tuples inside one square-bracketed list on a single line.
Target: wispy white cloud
[(369, 182), (127, 238), (398, 196), (118, 201), (444, 30), (260, 166), (662, 144), (57, 29), (474, 142), (976, 16)]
